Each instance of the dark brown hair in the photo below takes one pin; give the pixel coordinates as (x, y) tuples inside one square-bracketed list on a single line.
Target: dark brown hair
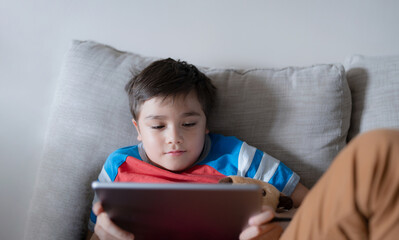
[(169, 77)]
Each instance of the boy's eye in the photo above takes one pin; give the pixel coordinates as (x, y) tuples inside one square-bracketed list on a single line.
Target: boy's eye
[(189, 124), (157, 127)]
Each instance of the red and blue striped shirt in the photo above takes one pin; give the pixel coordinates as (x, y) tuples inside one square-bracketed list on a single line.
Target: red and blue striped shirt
[(222, 156)]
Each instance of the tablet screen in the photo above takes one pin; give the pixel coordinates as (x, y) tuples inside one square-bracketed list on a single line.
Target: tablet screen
[(180, 210)]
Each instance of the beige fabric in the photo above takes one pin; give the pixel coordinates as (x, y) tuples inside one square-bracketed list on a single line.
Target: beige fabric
[(357, 198), (298, 115), (374, 83)]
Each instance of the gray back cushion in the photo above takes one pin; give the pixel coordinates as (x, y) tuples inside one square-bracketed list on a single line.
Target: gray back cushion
[(374, 83), (298, 115)]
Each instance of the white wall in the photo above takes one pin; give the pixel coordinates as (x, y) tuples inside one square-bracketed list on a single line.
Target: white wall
[(34, 35)]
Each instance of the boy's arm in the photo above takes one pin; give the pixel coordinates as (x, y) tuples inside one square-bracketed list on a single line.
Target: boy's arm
[(299, 194), (105, 228)]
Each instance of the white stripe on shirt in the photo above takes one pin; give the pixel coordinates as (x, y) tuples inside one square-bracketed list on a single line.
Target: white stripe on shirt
[(103, 176), (269, 164), (245, 158), (291, 184)]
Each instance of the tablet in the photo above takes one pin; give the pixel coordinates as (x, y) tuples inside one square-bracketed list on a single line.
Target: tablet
[(180, 210)]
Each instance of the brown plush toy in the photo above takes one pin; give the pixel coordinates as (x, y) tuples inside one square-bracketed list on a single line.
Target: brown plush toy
[(271, 196)]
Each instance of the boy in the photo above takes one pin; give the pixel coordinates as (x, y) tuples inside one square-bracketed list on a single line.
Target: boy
[(170, 102)]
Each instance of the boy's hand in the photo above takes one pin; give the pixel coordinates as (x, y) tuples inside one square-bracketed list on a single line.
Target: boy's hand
[(261, 227), (105, 228)]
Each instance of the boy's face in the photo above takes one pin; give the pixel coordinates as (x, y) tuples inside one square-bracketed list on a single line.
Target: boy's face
[(172, 130)]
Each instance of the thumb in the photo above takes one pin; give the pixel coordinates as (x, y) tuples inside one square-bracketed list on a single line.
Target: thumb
[(97, 208)]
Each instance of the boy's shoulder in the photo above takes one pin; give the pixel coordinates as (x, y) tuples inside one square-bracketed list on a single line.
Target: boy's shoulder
[(119, 156), (217, 139), (124, 152), (220, 145), (127, 150)]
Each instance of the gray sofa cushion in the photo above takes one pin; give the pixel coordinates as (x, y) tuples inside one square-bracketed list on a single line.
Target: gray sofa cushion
[(374, 83), (89, 120), (298, 115)]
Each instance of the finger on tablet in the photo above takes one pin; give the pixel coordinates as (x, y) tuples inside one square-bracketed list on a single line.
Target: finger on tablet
[(267, 231), (265, 216), (107, 228)]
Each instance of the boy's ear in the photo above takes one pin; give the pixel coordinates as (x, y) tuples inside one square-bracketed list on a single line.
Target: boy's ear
[(206, 130), (137, 129)]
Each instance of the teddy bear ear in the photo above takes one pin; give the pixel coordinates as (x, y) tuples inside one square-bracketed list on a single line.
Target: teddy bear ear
[(226, 180)]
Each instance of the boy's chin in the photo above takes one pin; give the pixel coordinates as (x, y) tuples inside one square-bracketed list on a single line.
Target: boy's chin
[(175, 168), (171, 167)]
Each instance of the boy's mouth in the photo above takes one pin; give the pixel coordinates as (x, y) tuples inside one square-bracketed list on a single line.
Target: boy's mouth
[(176, 152)]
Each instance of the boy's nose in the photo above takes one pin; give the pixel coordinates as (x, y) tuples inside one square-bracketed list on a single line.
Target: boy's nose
[(174, 136)]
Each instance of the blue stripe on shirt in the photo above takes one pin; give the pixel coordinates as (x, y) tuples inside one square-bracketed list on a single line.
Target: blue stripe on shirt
[(281, 176), (255, 164), (93, 218)]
